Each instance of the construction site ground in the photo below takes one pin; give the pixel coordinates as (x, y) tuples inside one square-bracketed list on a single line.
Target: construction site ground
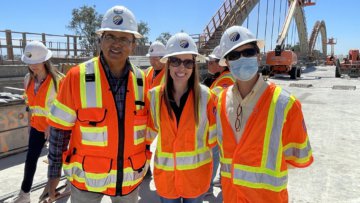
[(331, 109)]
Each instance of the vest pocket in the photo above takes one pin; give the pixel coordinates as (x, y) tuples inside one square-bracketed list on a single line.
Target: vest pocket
[(140, 122)]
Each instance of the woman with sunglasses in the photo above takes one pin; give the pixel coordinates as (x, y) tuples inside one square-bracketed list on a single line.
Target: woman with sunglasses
[(41, 86), (182, 116), (260, 127)]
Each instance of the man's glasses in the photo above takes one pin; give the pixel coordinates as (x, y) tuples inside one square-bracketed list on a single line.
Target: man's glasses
[(234, 55), (121, 40), (214, 61), (176, 62)]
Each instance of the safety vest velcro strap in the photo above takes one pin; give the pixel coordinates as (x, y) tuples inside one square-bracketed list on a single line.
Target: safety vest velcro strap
[(259, 180), (38, 111), (94, 136), (61, 114)]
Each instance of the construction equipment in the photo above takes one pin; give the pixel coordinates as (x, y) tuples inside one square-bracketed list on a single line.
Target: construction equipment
[(281, 61), (350, 65), (330, 59)]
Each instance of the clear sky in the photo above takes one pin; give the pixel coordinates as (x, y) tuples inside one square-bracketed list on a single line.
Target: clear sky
[(50, 16)]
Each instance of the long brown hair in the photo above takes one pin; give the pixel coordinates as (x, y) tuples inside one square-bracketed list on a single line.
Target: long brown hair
[(50, 69), (193, 83)]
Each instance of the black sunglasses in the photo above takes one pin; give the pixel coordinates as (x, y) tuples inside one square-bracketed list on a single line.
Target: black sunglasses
[(234, 55), (176, 62)]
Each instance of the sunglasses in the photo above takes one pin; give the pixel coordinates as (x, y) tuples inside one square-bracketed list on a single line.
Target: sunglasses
[(234, 55), (176, 62)]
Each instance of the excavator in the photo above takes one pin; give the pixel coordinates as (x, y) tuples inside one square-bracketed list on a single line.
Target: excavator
[(350, 65), (281, 61)]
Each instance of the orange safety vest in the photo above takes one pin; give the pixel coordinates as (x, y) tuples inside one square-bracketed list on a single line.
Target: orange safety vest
[(86, 106), (224, 80), (159, 78), (183, 160), (40, 103), (255, 169)]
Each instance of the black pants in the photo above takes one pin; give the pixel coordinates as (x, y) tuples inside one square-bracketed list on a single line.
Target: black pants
[(36, 143)]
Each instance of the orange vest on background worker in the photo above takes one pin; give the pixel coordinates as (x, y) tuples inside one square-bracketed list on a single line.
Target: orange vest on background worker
[(40, 103), (183, 160), (224, 80), (159, 78), (85, 105), (255, 169)]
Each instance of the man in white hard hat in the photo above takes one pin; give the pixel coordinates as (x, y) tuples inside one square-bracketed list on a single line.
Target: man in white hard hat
[(260, 127), (155, 74), (101, 110)]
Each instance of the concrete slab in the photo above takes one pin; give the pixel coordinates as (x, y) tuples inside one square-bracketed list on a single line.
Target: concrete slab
[(333, 124)]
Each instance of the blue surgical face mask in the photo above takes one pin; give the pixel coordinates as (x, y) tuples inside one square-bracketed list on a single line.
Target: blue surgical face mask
[(244, 68)]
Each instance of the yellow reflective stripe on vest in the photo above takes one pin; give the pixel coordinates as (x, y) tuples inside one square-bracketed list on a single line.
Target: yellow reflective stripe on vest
[(38, 111), (132, 177), (202, 127), (212, 134), (225, 168), (261, 178), (268, 176), (300, 153), (138, 89), (89, 97), (94, 136), (62, 114), (139, 134), (94, 182)]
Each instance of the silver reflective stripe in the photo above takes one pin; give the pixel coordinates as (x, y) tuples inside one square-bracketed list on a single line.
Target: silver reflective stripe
[(153, 106), (276, 130), (190, 160), (298, 153), (90, 85), (140, 88), (225, 167), (150, 134), (38, 110), (95, 136), (164, 161), (203, 120), (212, 133), (59, 113), (219, 130), (261, 178), (135, 175)]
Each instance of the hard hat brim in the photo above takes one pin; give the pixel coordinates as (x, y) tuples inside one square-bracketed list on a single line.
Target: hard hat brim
[(198, 56), (136, 34), (28, 60), (260, 44)]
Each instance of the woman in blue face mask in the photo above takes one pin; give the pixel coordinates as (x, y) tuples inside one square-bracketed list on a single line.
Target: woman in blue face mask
[(259, 127)]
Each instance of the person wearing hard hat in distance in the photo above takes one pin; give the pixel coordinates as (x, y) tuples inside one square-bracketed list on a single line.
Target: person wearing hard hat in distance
[(101, 109), (260, 127), (218, 79), (182, 117), (155, 73), (41, 85)]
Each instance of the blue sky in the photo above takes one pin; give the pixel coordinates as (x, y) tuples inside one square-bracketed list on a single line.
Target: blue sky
[(50, 16)]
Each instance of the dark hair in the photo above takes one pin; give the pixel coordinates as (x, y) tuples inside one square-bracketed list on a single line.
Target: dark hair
[(193, 83), (50, 69)]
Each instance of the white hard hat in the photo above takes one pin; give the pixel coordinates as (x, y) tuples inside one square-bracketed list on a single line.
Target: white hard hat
[(156, 49), (180, 43), (120, 19), (235, 37), (36, 52), (215, 54)]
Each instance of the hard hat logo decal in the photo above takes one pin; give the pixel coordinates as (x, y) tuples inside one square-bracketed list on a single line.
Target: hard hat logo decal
[(28, 54), (184, 44), (118, 20), (118, 11), (235, 36)]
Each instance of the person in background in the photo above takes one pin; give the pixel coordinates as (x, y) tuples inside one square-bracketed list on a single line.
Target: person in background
[(155, 74), (219, 78), (99, 119), (260, 127), (41, 85), (182, 117)]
